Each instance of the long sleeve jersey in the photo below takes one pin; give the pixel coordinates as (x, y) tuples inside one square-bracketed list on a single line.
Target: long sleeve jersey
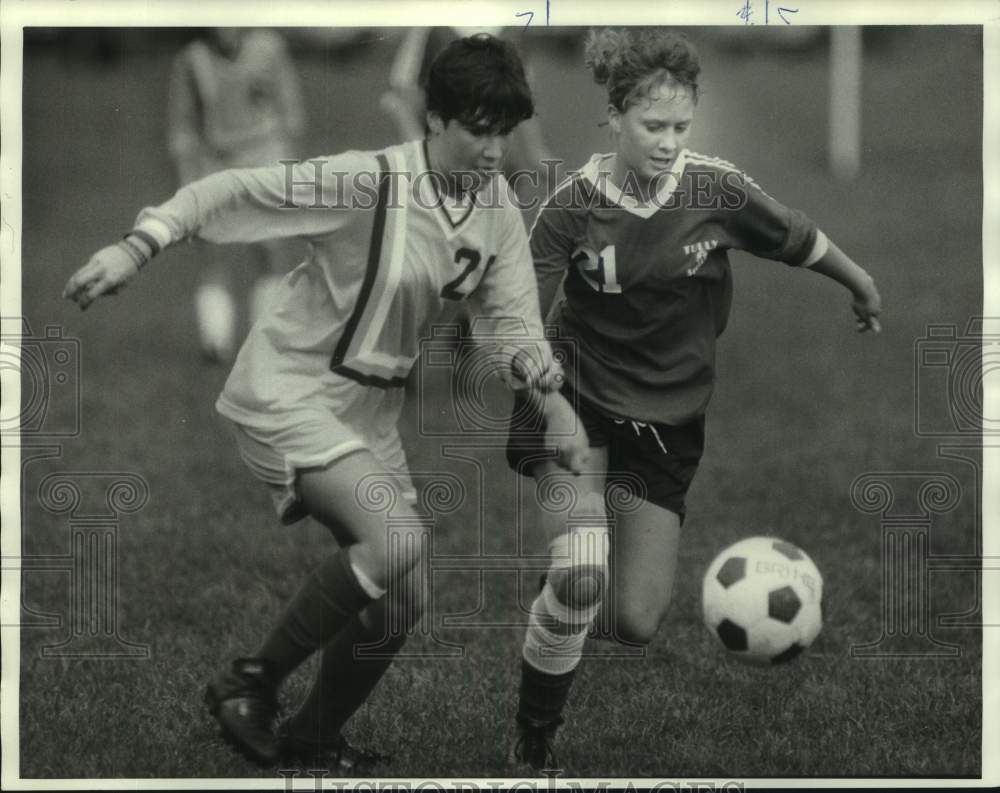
[(387, 258)]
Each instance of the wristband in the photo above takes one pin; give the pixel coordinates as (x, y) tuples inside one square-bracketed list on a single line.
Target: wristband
[(148, 239), (134, 252)]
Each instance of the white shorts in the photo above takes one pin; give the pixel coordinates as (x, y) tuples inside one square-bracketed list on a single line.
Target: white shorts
[(314, 440)]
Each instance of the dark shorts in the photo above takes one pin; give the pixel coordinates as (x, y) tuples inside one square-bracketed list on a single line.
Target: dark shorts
[(654, 462)]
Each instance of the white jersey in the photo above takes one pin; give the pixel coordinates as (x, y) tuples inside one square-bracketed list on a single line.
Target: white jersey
[(386, 260)]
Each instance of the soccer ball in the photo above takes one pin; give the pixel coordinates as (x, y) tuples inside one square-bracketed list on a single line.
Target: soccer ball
[(761, 598)]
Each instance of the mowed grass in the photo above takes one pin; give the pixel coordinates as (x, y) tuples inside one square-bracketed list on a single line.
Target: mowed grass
[(803, 407)]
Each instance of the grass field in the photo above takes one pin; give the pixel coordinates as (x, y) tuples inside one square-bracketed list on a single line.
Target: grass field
[(804, 406)]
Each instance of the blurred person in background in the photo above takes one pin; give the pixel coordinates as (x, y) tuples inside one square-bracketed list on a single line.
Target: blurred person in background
[(235, 102), (638, 238)]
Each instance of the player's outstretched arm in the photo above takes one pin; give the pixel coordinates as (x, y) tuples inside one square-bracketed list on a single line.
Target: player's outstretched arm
[(866, 303), (106, 273)]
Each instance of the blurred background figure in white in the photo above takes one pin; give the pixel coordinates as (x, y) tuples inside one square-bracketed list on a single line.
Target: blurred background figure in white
[(235, 102)]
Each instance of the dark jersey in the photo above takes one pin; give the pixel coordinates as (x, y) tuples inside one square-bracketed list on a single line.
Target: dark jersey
[(648, 288)]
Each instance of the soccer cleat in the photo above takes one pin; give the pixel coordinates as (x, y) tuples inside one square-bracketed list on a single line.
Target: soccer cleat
[(244, 702), (340, 756), (215, 312), (533, 747)]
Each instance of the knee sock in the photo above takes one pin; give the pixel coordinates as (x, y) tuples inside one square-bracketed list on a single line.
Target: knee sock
[(551, 653), (560, 619), (330, 597), (542, 696), (344, 680)]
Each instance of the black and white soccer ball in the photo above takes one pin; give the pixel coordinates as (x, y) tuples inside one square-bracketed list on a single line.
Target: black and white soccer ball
[(762, 599)]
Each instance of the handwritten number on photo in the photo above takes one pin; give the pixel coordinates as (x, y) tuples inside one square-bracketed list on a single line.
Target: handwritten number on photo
[(531, 14)]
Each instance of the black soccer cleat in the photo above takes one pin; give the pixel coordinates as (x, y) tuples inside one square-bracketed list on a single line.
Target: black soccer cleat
[(533, 748), (339, 757), (244, 702)]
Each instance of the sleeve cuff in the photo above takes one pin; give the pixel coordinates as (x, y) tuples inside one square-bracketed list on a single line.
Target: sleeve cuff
[(157, 230), (819, 249)]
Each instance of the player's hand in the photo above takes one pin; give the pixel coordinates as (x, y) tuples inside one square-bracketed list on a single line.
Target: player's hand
[(106, 273), (867, 306), (565, 432), (532, 370), (573, 456)]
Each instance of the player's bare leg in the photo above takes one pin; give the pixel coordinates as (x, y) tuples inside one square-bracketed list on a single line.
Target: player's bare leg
[(357, 574), (572, 514), (643, 569)]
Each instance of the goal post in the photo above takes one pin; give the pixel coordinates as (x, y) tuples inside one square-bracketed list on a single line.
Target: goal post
[(845, 101)]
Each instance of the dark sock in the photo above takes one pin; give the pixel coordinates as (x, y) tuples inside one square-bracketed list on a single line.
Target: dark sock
[(543, 696), (324, 604), (346, 676)]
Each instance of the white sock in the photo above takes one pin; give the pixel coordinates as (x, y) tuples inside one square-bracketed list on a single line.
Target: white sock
[(547, 651), (215, 313)]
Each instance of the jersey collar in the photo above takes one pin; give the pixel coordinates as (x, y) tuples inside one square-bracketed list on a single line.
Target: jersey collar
[(592, 172), (450, 212)]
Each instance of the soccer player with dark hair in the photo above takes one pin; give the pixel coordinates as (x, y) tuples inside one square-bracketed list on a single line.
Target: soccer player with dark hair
[(316, 390), (406, 99), (639, 239)]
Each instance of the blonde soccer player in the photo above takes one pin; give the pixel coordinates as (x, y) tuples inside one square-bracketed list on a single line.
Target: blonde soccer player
[(396, 238), (639, 238), (235, 101)]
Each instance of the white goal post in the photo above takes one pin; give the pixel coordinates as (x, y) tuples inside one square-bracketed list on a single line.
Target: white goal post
[(845, 101)]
